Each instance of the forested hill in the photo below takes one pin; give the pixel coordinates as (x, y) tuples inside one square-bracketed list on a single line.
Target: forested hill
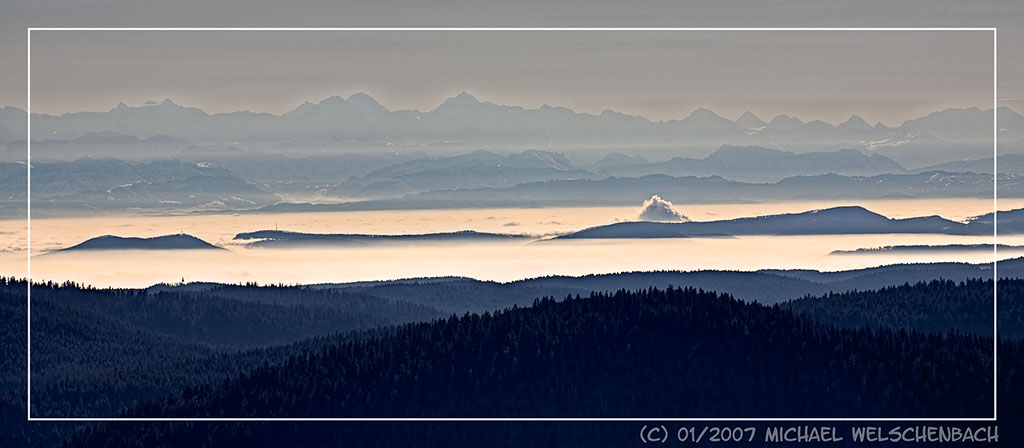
[(96, 352), (675, 352), (935, 306)]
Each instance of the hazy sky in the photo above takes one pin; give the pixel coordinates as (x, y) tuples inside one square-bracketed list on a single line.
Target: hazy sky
[(887, 76)]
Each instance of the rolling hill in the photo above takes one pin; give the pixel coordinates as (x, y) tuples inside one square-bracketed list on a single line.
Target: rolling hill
[(165, 242)]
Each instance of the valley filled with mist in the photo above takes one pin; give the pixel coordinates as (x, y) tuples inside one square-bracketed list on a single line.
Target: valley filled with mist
[(533, 185)]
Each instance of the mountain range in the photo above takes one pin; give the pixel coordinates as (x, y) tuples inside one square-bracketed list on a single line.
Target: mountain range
[(235, 179), (486, 169), (463, 122), (696, 190), (754, 164), (88, 185), (477, 169)]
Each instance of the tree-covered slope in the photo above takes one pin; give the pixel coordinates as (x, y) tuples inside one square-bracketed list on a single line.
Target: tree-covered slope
[(650, 353), (935, 306)]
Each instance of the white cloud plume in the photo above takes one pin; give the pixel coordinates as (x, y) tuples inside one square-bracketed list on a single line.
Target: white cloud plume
[(658, 209)]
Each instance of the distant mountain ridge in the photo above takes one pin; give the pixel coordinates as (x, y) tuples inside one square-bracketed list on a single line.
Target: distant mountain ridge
[(360, 121), (97, 144), (477, 169), (232, 178), (479, 179), (1007, 163), (759, 164), (89, 184), (712, 189), (684, 190)]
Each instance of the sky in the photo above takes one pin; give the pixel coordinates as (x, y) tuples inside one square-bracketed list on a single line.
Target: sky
[(881, 76)]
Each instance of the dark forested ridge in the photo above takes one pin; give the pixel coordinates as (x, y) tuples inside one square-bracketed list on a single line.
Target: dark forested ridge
[(96, 351), (648, 353), (236, 316), (457, 295), (641, 354), (935, 306)]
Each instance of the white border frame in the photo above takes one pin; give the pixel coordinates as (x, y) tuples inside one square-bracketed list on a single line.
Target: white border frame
[(995, 278)]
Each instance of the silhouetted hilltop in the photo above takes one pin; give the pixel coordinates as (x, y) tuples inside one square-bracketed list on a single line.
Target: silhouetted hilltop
[(165, 242)]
